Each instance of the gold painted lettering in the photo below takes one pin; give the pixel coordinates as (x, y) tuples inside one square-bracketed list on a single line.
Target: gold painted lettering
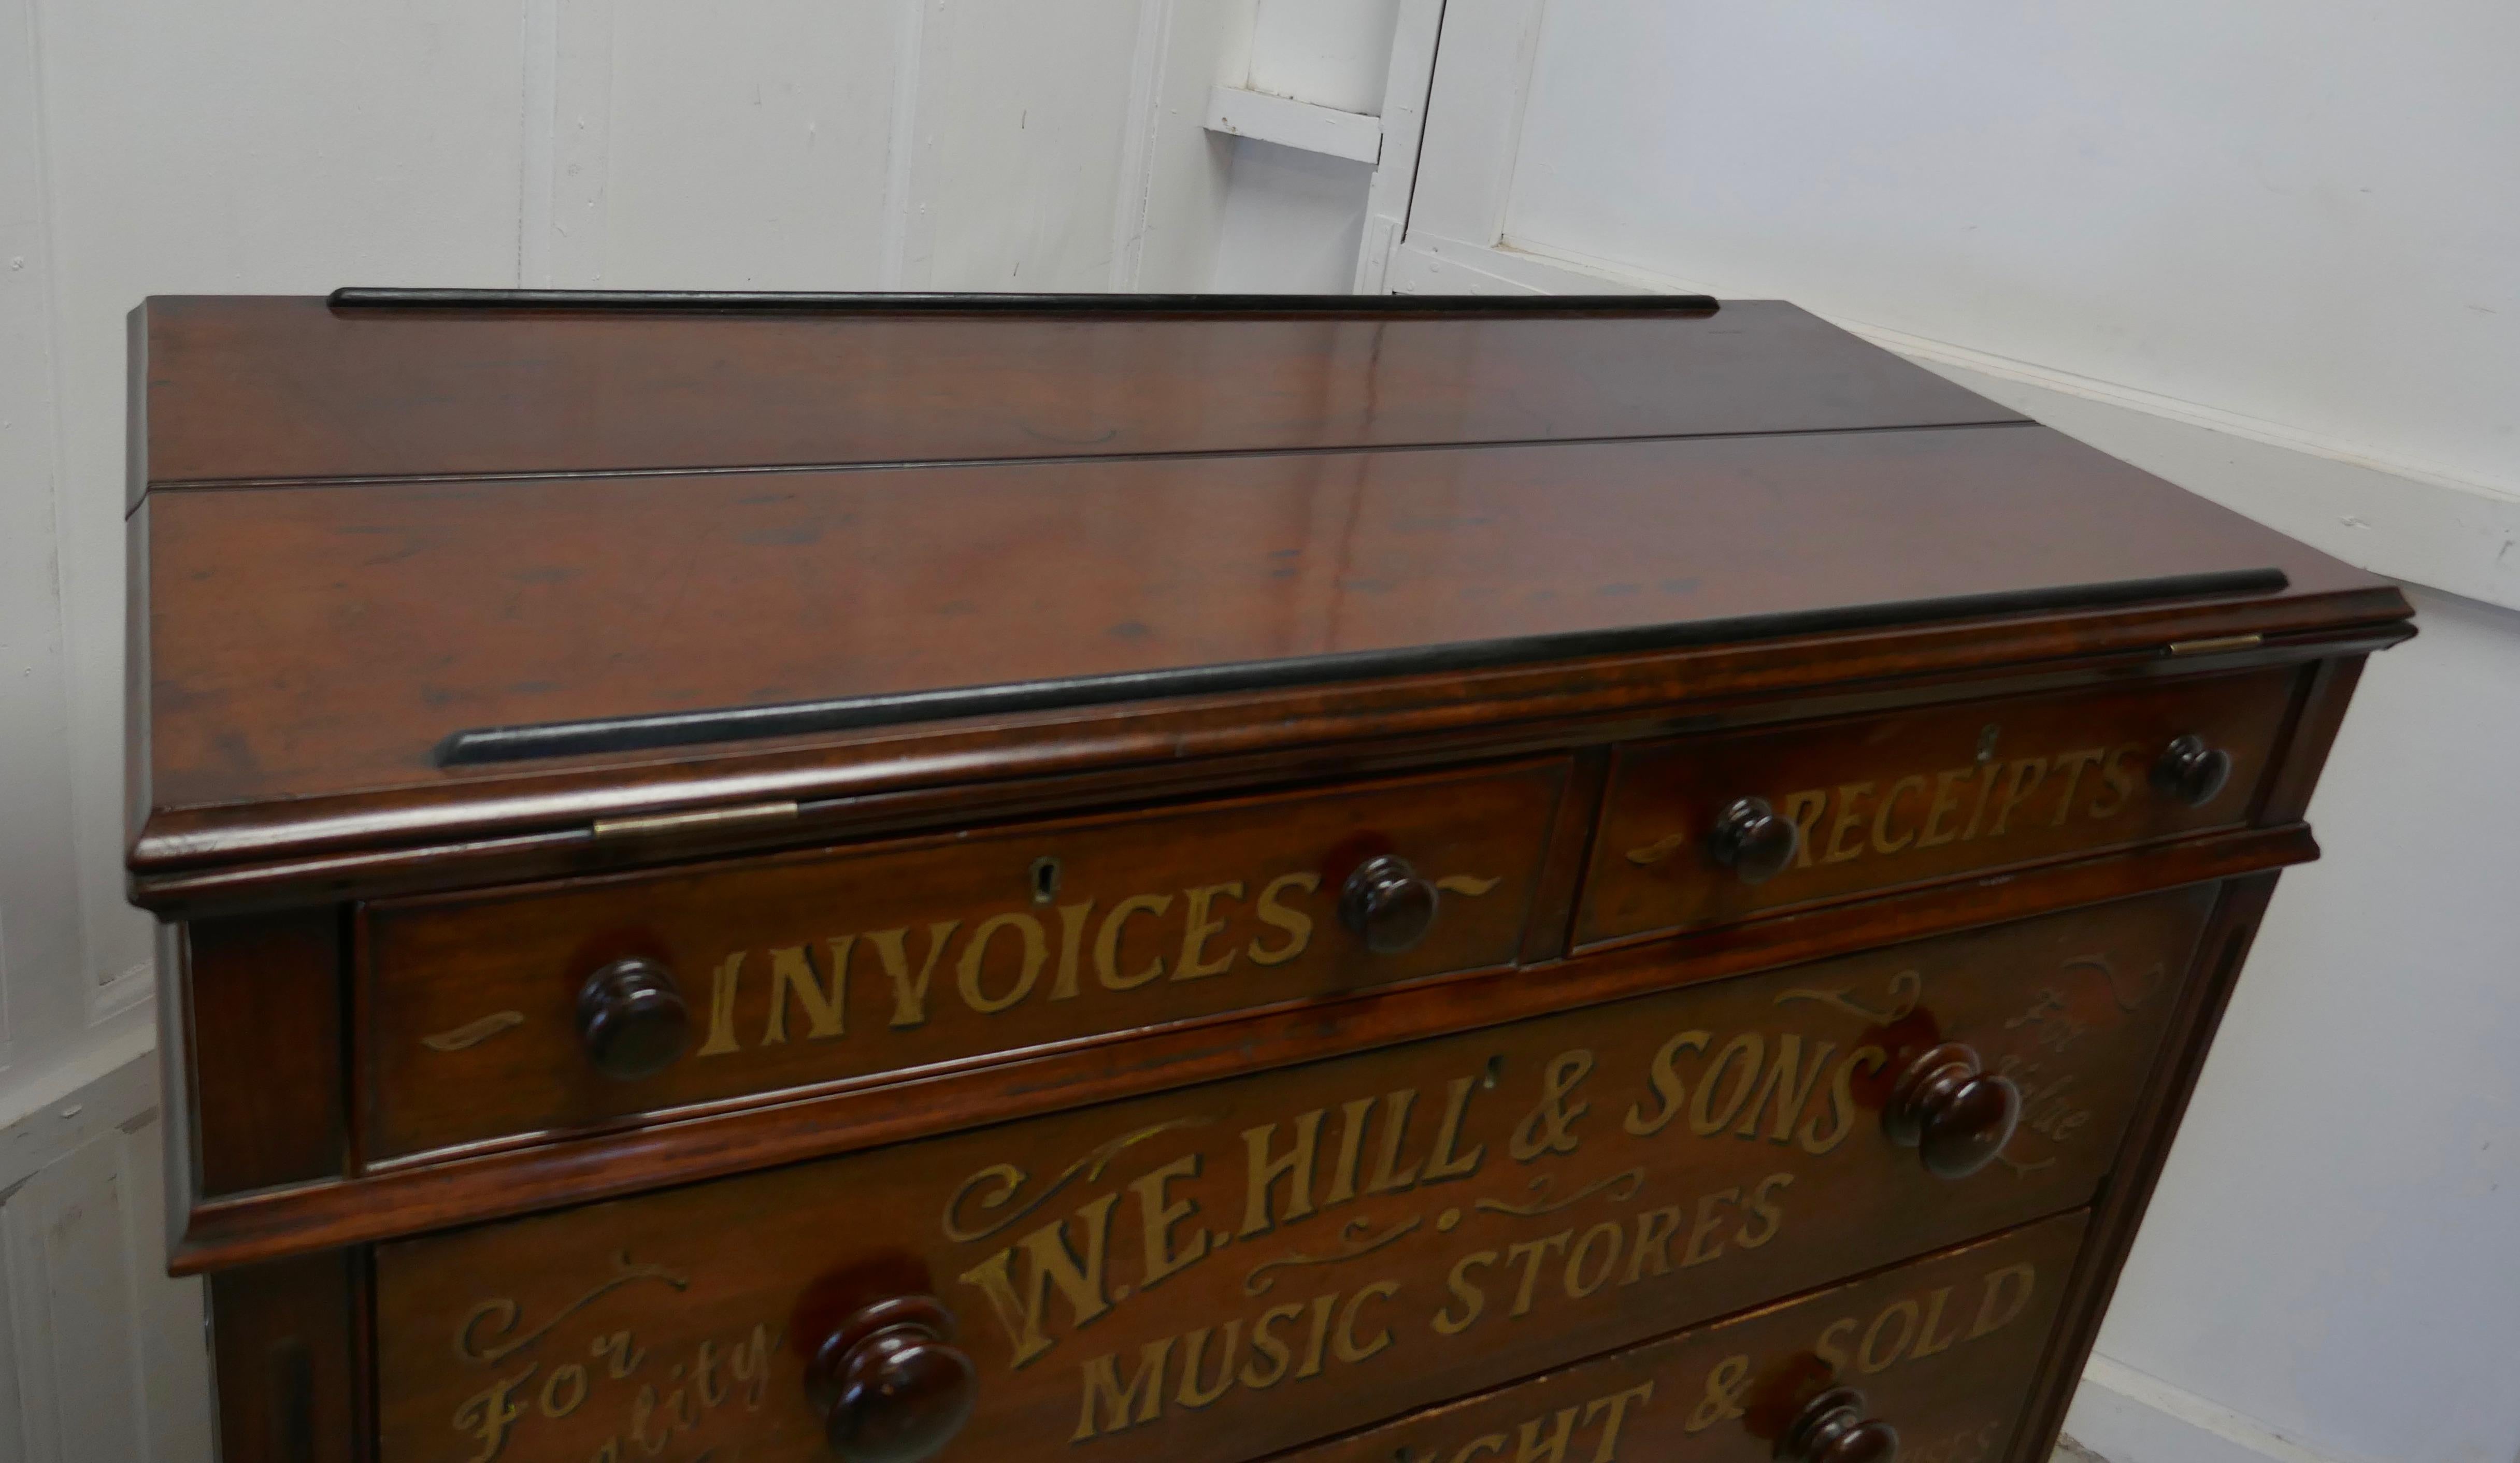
[(563, 1390), (1193, 1347), (1664, 1079), (1616, 1404), (1278, 914), (2007, 1292), (1654, 1229), (1295, 1166), (1313, 1348), (1613, 1238), (1467, 1291), (713, 1394), (1946, 803), (1344, 1343), (723, 983), (1712, 1213), (1926, 1344), (1157, 1219), (1703, 1118), (1388, 1177), (1792, 1090), (2019, 785), (2071, 765), (1850, 819), (1530, 1449), (1529, 1251), (1803, 810), (751, 1366), (642, 1408), (1764, 1210), (1071, 948), (1123, 1407), (1265, 1343), (2118, 778), (791, 973), (1841, 1101), (1200, 929), (1882, 842), (1977, 811), (909, 991), (1106, 941), (1447, 1161), (1021, 1311), (624, 1356), (1355, 1116), (490, 1414), (1832, 1344), (1869, 1354), (1036, 954)]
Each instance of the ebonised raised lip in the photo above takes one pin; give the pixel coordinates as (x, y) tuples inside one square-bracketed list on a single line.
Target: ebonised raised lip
[(365, 297), (684, 729)]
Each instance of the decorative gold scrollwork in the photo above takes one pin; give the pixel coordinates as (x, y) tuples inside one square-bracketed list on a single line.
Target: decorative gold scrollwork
[(1253, 1284), (1633, 1181), (502, 1314), (1906, 988), (1660, 849), (473, 1033), (1010, 1179)]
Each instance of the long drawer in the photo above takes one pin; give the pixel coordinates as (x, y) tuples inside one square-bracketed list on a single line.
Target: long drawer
[(1228, 1271), (1937, 1356), (559, 1007)]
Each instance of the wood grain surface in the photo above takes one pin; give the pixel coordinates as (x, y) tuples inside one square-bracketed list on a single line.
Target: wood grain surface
[(840, 963), (311, 641), (289, 388), (1942, 1350), (1883, 801), (1374, 1233)]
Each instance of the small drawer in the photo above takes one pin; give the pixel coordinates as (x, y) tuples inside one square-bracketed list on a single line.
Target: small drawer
[(1702, 831), (1940, 1354), (1226, 1271), (561, 1006)]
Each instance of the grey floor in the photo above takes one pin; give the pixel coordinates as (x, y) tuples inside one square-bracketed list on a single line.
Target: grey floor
[(2070, 1452)]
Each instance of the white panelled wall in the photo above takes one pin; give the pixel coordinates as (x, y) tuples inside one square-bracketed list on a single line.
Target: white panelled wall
[(292, 146), (2270, 251)]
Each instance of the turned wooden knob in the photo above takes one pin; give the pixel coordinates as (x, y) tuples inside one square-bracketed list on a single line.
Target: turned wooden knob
[(632, 1020), (1387, 903), (889, 1384), (1956, 1114), (2191, 771), (1832, 1428), (1753, 842)]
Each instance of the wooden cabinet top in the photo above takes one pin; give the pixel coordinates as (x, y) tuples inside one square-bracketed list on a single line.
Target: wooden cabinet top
[(407, 576)]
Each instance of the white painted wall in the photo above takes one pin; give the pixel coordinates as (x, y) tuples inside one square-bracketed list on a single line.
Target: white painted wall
[(1292, 220), (291, 146), (2273, 252)]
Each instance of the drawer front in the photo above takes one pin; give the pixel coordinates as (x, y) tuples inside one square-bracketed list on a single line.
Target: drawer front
[(815, 967), (1943, 1351), (1915, 796), (1230, 1269)]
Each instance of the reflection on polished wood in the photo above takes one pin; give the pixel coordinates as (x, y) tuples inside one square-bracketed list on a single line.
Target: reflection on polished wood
[(1364, 883)]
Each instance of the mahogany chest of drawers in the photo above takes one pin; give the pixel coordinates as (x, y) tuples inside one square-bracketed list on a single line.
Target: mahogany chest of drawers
[(1362, 880)]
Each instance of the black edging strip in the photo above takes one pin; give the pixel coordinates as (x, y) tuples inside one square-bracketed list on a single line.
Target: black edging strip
[(683, 728), (361, 297)]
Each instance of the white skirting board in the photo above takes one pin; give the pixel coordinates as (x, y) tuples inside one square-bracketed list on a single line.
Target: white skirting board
[(2127, 1417), (102, 1356)]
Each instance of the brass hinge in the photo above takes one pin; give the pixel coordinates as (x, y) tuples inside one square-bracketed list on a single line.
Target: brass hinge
[(2217, 645), (683, 823)]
